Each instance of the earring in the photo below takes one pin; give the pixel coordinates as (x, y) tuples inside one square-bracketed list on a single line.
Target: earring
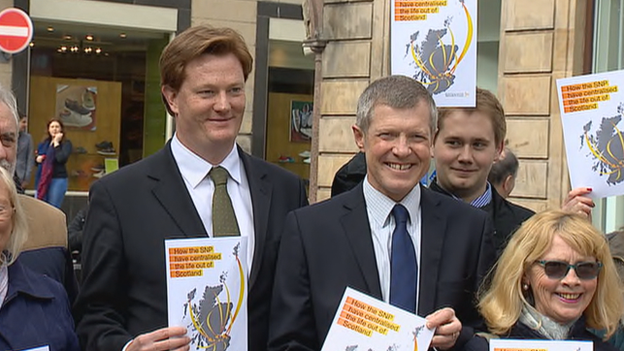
[(525, 287)]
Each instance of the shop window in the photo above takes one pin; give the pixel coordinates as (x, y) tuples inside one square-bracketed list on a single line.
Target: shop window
[(100, 83), (290, 106)]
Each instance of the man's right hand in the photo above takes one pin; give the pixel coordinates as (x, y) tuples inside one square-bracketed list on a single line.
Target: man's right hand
[(172, 338)]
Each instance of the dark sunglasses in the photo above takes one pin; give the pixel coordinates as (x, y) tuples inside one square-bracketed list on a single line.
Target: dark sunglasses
[(559, 269)]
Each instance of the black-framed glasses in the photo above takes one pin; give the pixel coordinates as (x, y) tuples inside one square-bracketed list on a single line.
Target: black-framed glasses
[(560, 269)]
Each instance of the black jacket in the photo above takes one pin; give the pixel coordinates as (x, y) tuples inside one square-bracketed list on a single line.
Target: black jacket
[(520, 331), (74, 230), (61, 155), (132, 211), (506, 216), (349, 175)]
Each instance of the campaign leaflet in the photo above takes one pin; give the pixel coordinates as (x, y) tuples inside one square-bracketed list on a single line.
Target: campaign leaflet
[(207, 291), (435, 42), (363, 323), (591, 108), (540, 345)]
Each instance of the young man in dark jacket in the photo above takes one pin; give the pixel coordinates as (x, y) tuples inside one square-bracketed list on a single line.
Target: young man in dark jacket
[(467, 143)]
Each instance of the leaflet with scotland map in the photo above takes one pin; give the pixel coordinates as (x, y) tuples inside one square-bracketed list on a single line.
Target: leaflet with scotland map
[(207, 291), (592, 107), (435, 42), (540, 345), (363, 323)]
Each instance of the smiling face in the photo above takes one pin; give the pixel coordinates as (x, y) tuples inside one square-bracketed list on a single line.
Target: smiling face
[(397, 145), (209, 105), (562, 300), (464, 151)]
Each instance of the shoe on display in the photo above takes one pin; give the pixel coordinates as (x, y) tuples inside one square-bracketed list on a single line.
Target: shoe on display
[(285, 159), (305, 154), (97, 168), (79, 173), (307, 160), (99, 174), (107, 152), (88, 101), (104, 144), (76, 106), (73, 119)]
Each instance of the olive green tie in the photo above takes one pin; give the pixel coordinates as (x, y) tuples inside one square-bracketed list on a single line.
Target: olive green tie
[(223, 217)]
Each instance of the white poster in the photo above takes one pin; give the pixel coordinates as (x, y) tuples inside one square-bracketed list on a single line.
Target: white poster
[(540, 345), (591, 109), (363, 323), (434, 42), (207, 291)]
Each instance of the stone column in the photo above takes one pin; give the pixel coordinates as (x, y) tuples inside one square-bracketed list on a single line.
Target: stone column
[(357, 52), (540, 41)]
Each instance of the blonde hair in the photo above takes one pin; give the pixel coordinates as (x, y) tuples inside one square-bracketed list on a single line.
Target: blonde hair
[(502, 303), (19, 231)]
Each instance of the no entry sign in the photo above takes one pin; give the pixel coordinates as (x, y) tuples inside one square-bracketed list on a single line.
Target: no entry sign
[(16, 30)]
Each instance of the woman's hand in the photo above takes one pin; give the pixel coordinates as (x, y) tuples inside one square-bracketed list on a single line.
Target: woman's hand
[(40, 158), (57, 139), (577, 202)]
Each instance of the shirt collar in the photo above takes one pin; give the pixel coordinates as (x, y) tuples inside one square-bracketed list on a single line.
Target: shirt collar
[(481, 201), (381, 205), (484, 198), (194, 168)]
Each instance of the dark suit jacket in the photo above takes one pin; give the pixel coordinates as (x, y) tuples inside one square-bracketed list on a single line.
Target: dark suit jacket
[(132, 212), (505, 216), (46, 250), (328, 246)]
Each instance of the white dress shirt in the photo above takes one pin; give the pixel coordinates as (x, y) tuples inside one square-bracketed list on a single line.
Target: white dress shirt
[(379, 208), (195, 170)]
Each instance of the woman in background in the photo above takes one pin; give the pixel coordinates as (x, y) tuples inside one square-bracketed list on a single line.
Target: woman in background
[(52, 155)]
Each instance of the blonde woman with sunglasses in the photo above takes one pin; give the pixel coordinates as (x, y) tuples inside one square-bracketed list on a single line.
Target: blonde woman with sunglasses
[(554, 280)]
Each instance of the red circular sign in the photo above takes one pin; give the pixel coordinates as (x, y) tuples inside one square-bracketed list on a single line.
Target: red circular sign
[(16, 30)]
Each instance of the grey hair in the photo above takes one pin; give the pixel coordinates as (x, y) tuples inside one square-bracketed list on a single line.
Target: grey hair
[(504, 167), (7, 97), (398, 92), (19, 231)]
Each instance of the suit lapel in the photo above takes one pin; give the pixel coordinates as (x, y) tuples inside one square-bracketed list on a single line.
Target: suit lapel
[(433, 230), (261, 190), (356, 227), (173, 195)]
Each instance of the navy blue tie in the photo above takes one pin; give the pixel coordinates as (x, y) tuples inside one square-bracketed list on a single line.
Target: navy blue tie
[(403, 264)]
